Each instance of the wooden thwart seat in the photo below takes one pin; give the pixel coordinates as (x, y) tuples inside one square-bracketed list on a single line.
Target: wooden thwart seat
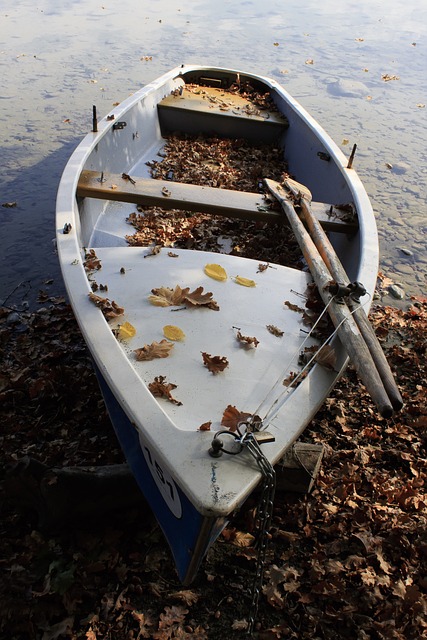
[(212, 110), (187, 197)]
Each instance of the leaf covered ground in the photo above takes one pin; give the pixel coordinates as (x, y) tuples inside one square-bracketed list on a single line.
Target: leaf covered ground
[(347, 560)]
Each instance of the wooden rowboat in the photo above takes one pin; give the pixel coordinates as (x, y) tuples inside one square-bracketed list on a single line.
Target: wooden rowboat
[(190, 338)]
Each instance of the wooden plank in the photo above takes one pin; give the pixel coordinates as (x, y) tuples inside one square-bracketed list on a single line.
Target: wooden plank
[(212, 111), (74, 495), (217, 101), (298, 469), (188, 197)]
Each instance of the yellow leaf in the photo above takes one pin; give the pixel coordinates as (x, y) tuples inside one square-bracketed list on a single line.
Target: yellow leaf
[(245, 282), (216, 272), (173, 333), (126, 330)]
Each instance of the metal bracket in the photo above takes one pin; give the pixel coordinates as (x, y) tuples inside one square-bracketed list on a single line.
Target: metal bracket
[(353, 289), (119, 125)]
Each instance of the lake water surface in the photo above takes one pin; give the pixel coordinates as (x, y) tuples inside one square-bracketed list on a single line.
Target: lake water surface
[(359, 67)]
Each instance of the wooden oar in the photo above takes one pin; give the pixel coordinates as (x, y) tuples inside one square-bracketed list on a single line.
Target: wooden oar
[(337, 270), (340, 314)]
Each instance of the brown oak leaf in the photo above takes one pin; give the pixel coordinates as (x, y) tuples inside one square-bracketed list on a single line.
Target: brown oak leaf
[(160, 349), (162, 389), (289, 380), (92, 262), (109, 308), (206, 426), (200, 299), (249, 342), (154, 251), (166, 297), (215, 364), (275, 330), (172, 615), (232, 417), (293, 307), (186, 596)]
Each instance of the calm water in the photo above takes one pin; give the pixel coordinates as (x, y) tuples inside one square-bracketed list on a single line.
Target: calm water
[(59, 57)]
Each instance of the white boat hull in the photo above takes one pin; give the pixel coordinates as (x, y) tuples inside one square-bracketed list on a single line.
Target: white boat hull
[(191, 493)]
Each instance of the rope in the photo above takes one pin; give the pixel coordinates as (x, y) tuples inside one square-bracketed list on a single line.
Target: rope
[(278, 403), (279, 381)]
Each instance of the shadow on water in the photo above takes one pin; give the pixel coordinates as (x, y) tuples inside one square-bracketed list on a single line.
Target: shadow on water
[(28, 230)]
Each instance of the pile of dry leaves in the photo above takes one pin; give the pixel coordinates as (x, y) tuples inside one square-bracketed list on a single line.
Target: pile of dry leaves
[(226, 163), (346, 561)]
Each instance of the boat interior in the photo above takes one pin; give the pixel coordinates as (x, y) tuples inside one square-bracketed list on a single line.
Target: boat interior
[(220, 105), (117, 178)]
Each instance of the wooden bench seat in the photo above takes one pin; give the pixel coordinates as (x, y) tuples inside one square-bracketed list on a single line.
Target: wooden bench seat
[(187, 197), (210, 110)]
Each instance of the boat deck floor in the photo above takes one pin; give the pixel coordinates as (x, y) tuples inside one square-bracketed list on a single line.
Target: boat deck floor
[(131, 273)]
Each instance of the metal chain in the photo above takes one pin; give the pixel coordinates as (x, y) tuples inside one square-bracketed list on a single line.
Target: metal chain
[(248, 440), (264, 516)]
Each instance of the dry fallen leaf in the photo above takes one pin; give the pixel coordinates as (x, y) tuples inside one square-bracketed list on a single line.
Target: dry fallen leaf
[(154, 251), (109, 308), (293, 307), (275, 330), (154, 350), (199, 299), (162, 389), (245, 282), (240, 625), (248, 342), (91, 262), (232, 417), (126, 330), (166, 297), (171, 332), (215, 364), (216, 272), (290, 379), (186, 596), (206, 426), (172, 616)]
